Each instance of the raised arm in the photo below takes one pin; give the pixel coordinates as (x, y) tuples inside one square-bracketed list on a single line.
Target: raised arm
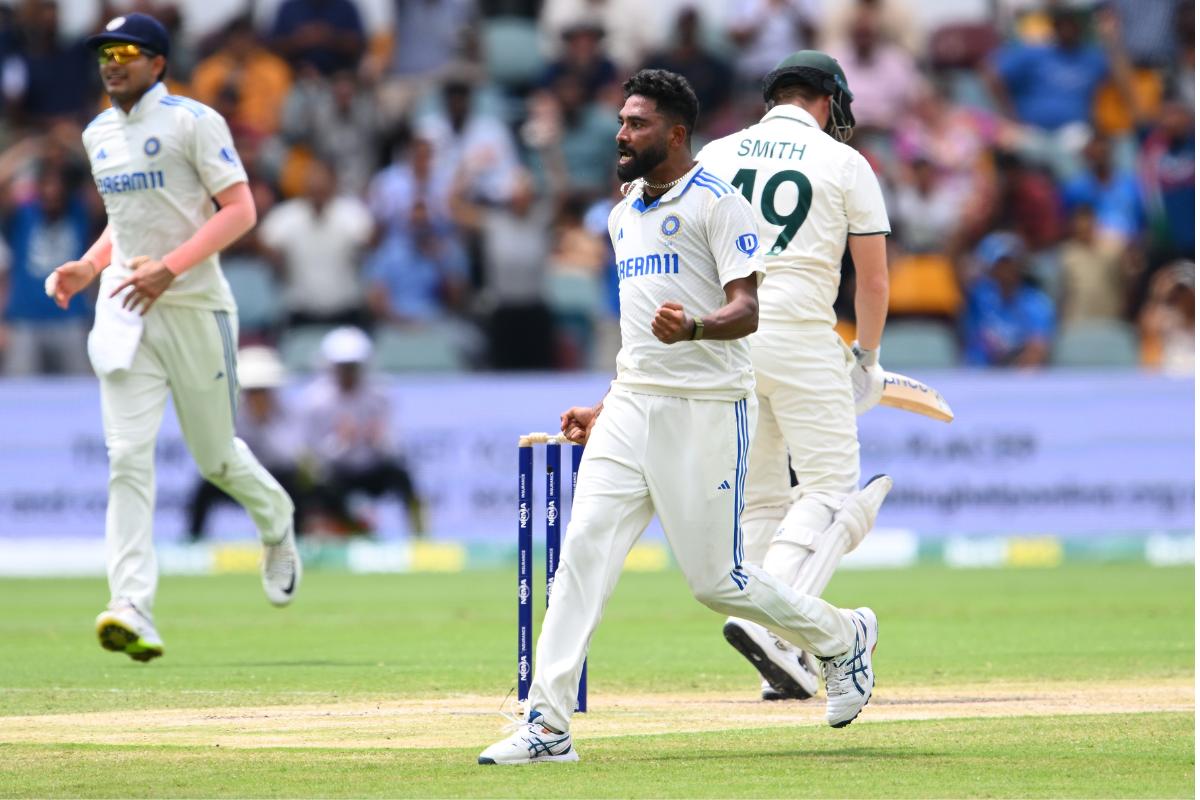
[(1108, 28), (737, 318), (465, 211)]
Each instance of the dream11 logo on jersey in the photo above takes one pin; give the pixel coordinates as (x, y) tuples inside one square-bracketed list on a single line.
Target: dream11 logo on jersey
[(747, 243)]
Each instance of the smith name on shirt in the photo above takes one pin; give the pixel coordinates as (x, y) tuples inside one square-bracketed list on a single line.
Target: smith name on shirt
[(760, 148), (653, 264), (130, 182)]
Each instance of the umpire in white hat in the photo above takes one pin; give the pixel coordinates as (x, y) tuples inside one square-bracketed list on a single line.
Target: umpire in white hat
[(347, 423)]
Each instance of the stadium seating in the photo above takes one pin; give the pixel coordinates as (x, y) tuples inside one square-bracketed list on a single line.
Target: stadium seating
[(427, 349), (924, 284), (573, 293), (575, 299), (511, 51), (257, 297), (1096, 343), (909, 344), (300, 347), (961, 46)]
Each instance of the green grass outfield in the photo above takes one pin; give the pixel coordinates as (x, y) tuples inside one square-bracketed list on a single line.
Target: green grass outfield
[(1069, 682)]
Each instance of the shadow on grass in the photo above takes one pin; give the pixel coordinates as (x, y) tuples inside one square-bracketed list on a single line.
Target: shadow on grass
[(808, 755), (297, 663)]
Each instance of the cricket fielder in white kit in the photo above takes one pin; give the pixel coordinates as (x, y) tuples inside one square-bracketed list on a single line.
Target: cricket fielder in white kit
[(673, 436), (176, 194), (812, 194)]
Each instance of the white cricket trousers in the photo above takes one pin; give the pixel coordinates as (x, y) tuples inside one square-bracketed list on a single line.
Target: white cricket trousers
[(191, 353), (685, 460), (806, 409)]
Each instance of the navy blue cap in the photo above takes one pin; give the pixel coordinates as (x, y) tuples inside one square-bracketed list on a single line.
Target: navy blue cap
[(140, 29)]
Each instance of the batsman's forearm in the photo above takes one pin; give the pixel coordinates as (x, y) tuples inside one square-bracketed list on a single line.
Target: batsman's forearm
[(869, 254), (222, 229), (100, 253), (870, 310), (735, 319)]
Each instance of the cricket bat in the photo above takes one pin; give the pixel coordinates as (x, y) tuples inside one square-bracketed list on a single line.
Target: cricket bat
[(903, 392)]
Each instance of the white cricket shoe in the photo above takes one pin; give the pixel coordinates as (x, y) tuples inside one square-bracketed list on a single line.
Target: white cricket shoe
[(781, 665), (850, 677), (530, 743), (122, 628), (281, 570)]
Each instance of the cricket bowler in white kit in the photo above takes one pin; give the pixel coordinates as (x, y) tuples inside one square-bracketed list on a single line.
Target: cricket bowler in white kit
[(812, 194), (673, 434), (176, 194)]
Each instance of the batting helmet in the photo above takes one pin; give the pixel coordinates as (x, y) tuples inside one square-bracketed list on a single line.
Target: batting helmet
[(824, 73)]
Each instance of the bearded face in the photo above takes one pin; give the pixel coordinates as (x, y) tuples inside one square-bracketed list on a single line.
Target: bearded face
[(642, 139)]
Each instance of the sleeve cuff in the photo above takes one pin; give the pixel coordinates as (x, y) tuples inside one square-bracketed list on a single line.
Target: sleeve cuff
[(734, 275)]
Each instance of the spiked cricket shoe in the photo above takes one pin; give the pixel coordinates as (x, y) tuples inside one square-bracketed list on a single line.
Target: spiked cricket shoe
[(530, 742), (781, 665), (281, 570), (122, 628), (850, 677)]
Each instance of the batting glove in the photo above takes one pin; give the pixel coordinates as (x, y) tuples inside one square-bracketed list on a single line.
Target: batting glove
[(866, 377)]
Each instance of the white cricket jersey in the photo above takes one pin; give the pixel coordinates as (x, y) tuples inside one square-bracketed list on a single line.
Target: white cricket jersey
[(683, 247), (809, 191), (157, 169)]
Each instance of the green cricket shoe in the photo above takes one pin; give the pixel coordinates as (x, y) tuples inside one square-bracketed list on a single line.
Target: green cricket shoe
[(122, 628)]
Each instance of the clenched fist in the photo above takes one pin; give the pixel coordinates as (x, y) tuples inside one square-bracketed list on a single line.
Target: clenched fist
[(671, 324), (577, 422)]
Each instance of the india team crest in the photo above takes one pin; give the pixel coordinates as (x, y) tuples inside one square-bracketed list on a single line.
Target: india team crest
[(152, 146), (670, 225)]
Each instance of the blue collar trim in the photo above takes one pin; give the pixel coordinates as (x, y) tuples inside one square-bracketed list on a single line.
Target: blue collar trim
[(641, 207)]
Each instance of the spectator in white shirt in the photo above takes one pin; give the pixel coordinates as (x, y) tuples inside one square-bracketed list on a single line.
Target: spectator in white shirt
[(768, 31), (317, 241), (466, 137), (927, 211)]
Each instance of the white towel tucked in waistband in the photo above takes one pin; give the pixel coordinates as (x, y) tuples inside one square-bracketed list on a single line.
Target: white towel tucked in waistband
[(115, 335)]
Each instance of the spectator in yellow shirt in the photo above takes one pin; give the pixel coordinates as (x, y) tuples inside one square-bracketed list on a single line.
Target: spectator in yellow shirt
[(262, 78)]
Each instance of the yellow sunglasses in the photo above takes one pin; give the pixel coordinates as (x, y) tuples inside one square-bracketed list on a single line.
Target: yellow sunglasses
[(121, 53)]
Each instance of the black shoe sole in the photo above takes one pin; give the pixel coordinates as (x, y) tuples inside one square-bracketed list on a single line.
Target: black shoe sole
[(847, 722), (785, 685)]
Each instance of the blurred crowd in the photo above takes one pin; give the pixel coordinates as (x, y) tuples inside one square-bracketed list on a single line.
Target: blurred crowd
[(439, 172)]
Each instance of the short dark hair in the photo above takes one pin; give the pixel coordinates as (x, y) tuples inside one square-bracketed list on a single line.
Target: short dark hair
[(797, 90), (671, 93)]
